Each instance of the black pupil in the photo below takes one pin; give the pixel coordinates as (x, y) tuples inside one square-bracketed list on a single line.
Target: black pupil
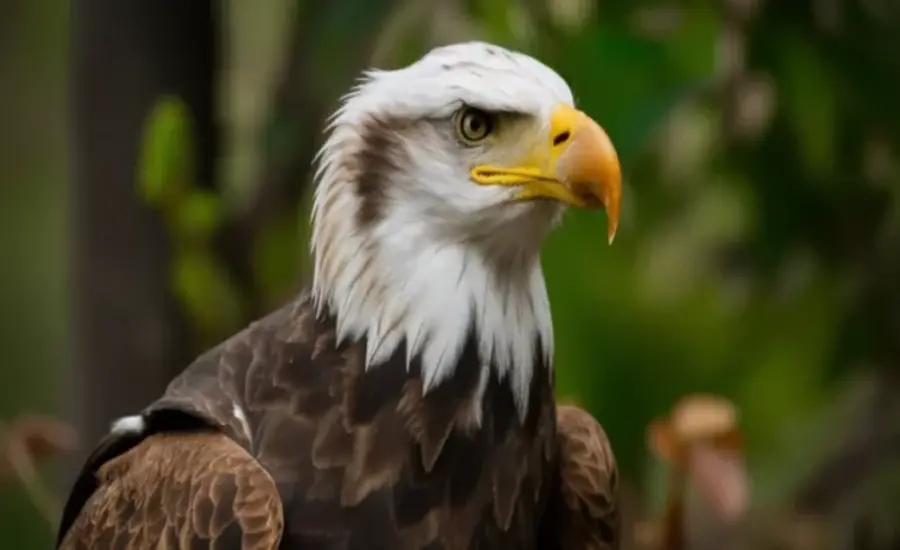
[(474, 123)]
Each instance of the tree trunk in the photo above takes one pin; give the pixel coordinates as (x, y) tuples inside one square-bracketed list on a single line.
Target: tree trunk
[(128, 336)]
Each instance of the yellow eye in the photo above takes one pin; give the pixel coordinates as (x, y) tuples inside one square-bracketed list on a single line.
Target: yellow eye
[(474, 125)]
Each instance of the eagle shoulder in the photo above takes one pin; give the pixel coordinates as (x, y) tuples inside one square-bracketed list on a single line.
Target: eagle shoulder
[(180, 490), (189, 450), (585, 509)]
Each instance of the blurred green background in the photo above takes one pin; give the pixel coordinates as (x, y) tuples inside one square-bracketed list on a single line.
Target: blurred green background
[(758, 257)]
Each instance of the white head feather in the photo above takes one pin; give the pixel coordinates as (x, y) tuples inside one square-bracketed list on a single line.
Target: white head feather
[(439, 252)]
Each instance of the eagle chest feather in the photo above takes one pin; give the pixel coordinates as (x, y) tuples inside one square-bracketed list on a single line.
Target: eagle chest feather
[(361, 455)]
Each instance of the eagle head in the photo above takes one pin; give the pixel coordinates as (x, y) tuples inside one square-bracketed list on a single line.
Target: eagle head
[(435, 189)]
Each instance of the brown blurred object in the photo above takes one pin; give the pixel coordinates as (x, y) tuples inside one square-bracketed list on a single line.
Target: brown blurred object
[(26, 440), (702, 444)]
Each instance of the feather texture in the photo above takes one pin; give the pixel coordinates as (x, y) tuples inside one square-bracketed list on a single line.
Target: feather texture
[(583, 513), (357, 455), (281, 427), (198, 490)]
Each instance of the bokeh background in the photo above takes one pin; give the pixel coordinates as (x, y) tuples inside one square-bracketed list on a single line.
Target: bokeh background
[(154, 163)]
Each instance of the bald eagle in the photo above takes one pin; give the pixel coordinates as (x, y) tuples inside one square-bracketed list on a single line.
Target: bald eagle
[(406, 399)]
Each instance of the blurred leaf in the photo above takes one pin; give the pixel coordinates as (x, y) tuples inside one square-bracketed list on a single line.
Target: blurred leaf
[(210, 300), (787, 366), (167, 152), (694, 43), (24, 443), (37, 437), (808, 92), (198, 216), (276, 259)]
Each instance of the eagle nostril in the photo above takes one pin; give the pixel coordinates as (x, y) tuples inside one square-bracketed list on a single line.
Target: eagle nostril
[(561, 138)]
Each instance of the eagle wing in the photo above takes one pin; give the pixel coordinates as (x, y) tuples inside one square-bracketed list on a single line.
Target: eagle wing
[(357, 455), (180, 491), (589, 516)]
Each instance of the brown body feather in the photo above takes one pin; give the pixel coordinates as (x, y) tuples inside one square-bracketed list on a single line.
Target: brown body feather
[(197, 490), (360, 458), (584, 510)]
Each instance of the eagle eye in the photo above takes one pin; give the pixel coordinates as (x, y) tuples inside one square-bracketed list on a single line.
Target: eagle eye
[(473, 125)]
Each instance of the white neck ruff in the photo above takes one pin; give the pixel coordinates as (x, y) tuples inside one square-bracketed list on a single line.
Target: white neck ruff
[(400, 282)]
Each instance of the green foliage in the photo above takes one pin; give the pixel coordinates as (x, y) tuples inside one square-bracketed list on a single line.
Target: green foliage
[(166, 167), (810, 105), (33, 231), (198, 216), (276, 258), (204, 288), (194, 216)]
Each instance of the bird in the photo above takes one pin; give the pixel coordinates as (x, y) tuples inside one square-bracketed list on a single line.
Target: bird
[(405, 398)]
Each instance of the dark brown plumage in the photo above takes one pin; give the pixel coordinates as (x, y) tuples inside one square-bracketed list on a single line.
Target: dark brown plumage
[(584, 510), (357, 456), (341, 458), (181, 490)]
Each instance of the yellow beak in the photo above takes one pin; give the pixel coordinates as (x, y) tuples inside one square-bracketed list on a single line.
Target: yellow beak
[(577, 165)]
